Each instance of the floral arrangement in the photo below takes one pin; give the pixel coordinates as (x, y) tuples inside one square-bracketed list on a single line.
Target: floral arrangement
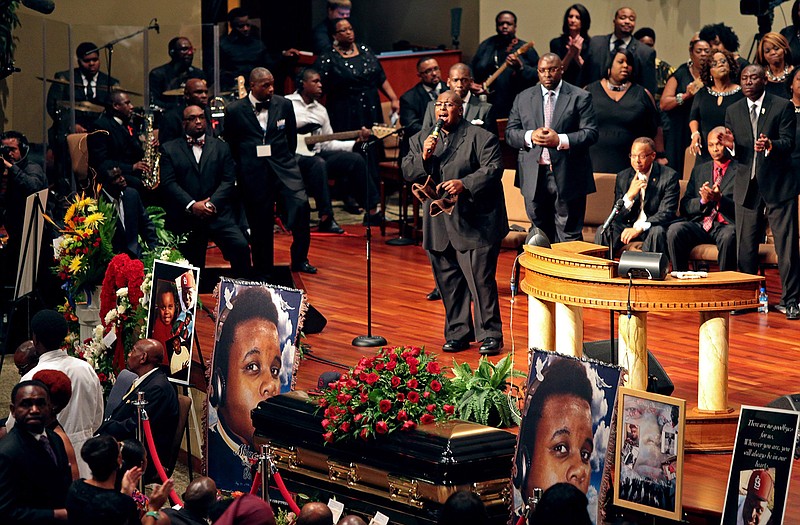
[(122, 303), (397, 389), (83, 250)]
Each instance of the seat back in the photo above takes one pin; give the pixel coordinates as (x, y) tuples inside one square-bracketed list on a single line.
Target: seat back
[(79, 155), (184, 405)]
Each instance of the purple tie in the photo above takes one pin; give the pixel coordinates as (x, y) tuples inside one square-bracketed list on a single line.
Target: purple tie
[(43, 439), (548, 119)]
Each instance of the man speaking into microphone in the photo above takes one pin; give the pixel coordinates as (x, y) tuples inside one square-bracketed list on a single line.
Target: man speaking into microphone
[(463, 162)]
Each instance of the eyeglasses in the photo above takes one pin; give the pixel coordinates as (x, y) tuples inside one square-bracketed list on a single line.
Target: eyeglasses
[(447, 105), (430, 70), (549, 70), (720, 62), (640, 156)]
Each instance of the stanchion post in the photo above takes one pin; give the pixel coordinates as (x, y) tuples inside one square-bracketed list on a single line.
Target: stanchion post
[(265, 472), (141, 415)]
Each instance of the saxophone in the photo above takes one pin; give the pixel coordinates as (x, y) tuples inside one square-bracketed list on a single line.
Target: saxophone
[(151, 178)]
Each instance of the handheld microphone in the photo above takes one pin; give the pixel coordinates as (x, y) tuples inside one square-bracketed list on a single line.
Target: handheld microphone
[(614, 212), (437, 128)]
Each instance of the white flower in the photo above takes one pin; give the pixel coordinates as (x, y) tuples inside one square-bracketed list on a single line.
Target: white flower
[(122, 292), (57, 246), (121, 308), (111, 316)]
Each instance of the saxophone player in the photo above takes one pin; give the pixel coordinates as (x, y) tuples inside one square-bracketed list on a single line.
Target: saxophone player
[(119, 146)]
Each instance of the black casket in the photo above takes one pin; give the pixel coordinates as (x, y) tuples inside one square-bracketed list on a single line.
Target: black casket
[(407, 476)]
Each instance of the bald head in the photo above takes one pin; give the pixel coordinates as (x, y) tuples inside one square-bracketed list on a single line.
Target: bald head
[(153, 349), (315, 514), (200, 495), (25, 357), (459, 79), (196, 92), (145, 355), (351, 519)]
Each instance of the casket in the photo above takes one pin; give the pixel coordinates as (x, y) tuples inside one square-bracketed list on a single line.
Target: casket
[(407, 475)]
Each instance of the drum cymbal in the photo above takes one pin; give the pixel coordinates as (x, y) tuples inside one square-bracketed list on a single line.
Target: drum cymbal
[(101, 87), (177, 92), (82, 105)]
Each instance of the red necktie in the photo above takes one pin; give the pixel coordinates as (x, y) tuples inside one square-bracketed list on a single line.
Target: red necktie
[(708, 221)]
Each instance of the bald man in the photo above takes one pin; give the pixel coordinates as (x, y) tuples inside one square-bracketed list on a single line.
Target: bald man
[(25, 357), (162, 402), (351, 519), (315, 514), (195, 93), (197, 500)]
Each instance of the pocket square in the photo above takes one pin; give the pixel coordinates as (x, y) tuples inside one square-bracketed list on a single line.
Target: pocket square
[(281, 123)]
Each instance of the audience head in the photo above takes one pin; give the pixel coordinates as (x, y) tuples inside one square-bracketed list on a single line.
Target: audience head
[(351, 519), (646, 36), (180, 50), (309, 83), (773, 50), (101, 453), (17, 145), (465, 508), (132, 455), (550, 70), (25, 357), (262, 84), (315, 513), (754, 81), (59, 385), (30, 406), (720, 37), (343, 33), (449, 107), (145, 355), (715, 145), (459, 79), (200, 494), (561, 503), (247, 510), (719, 65), (577, 18), (196, 92), (506, 24), (113, 181), (620, 66), (699, 51), (643, 154), (624, 22), (428, 71), (239, 20), (49, 330), (88, 58), (194, 125), (121, 105), (339, 9), (792, 84)]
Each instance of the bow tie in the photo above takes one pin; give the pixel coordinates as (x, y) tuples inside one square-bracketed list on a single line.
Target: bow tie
[(196, 142), (262, 106)]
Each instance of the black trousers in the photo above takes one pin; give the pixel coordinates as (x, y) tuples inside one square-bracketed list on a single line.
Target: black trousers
[(227, 235), (561, 220), (682, 237), (344, 166)]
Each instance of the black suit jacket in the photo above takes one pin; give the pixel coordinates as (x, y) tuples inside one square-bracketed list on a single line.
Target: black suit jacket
[(171, 125), (184, 180), (644, 62), (694, 210), (413, 105), (660, 197), (168, 77), (162, 410), (476, 110), (60, 92), (31, 485), (137, 224), (573, 115), (118, 149), (243, 133), (776, 181), (472, 155)]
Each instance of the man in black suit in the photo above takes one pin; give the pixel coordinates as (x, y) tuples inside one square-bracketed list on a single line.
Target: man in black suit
[(555, 170), (198, 177), (34, 470), (414, 102), (174, 74), (195, 93), (650, 195), (262, 133), (119, 146), (708, 208), (463, 246), (762, 135), (600, 47), (476, 112), (132, 219), (162, 402)]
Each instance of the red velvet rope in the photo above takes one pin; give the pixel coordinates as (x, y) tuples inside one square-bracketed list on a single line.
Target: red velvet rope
[(521, 520), (287, 496), (254, 490), (162, 474)]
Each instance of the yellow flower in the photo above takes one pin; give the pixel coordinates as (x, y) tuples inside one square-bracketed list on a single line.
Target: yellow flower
[(70, 214), (75, 264)]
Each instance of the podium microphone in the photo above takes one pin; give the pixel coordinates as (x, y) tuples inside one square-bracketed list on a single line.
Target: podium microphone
[(614, 212)]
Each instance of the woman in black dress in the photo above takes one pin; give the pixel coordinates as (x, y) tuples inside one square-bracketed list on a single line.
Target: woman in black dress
[(351, 78), (676, 101), (792, 33), (710, 103), (624, 111), (573, 44), (794, 87), (775, 56)]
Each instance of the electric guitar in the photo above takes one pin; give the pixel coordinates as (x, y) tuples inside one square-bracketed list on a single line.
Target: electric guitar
[(241, 91), (306, 141), (524, 49)]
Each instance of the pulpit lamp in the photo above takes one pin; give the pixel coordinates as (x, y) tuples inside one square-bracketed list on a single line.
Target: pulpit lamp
[(537, 237), (643, 265)]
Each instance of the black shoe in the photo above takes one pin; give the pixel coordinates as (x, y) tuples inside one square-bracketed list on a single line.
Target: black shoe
[(491, 346), (372, 220), (304, 267), (434, 295), (351, 206), (455, 345), (792, 312), (330, 225)]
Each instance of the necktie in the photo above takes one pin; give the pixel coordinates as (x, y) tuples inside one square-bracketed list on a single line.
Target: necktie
[(708, 221), (754, 125), (548, 118), (642, 217), (49, 449)]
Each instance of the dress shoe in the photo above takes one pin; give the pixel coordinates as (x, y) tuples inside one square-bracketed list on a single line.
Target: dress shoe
[(304, 267), (491, 346), (330, 225), (455, 345), (374, 219), (792, 312), (434, 295), (351, 206)]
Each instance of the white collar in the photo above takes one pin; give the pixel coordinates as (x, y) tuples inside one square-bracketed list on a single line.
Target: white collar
[(759, 102), (53, 355), (555, 91)]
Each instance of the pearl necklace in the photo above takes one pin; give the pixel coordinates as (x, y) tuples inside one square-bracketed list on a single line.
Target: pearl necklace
[(723, 93), (772, 78)]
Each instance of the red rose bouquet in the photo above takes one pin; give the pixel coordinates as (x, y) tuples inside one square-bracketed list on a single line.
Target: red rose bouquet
[(397, 389)]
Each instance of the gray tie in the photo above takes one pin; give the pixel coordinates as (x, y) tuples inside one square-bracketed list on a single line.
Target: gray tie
[(754, 125)]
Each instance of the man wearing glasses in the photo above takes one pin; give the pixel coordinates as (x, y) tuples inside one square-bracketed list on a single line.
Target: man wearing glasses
[(174, 74), (553, 124), (459, 79), (650, 195)]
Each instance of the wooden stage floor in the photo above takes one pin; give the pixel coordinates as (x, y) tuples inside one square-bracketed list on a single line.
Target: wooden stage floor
[(764, 349)]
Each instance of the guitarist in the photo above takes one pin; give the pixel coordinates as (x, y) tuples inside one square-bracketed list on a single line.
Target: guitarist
[(503, 48), (333, 159)]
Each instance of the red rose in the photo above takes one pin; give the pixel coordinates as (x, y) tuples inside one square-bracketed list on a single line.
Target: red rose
[(412, 361), (362, 376), (413, 397), (363, 397), (385, 405), (381, 427), (402, 415), (426, 394), (328, 437), (427, 419), (379, 367), (391, 365), (433, 368), (408, 426), (372, 378), (413, 370), (358, 417), (412, 383), (345, 427), (102, 377), (401, 397), (363, 434), (325, 423), (436, 385), (396, 381), (430, 408), (344, 398), (449, 409)]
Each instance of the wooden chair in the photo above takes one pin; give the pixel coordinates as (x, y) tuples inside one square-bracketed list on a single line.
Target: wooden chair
[(389, 172), (184, 406), (79, 156)]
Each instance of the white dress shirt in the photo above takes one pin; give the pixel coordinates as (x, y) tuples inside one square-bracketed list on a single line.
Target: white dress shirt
[(263, 115), (315, 113)]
